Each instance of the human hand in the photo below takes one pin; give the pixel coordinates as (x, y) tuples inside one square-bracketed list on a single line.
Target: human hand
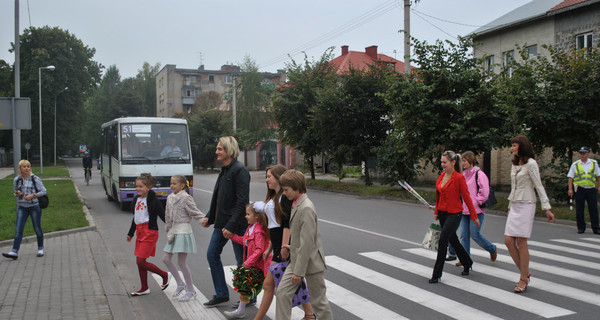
[(285, 253), (266, 254), (28, 197), (129, 238), (435, 217), (227, 234), (430, 207), (296, 279), (18, 193), (477, 223), (205, 222), (550, 216), (570, 193)]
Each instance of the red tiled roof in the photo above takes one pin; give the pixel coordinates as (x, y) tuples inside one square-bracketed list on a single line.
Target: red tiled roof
[(566, 3), (362, 60)]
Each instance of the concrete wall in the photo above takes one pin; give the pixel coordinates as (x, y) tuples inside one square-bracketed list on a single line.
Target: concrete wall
[(572, 23)]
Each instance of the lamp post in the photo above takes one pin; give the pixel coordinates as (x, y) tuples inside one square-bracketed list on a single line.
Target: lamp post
[(56, 96), (40, 107)]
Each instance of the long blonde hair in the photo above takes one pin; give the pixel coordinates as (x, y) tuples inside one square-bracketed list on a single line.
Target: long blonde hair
[(181, 179)]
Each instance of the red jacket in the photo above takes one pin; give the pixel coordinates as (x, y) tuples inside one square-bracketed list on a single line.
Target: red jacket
[(448, 197), (256, 244)]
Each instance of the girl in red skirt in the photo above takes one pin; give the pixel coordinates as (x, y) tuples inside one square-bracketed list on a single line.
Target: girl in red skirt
[(146, 208)]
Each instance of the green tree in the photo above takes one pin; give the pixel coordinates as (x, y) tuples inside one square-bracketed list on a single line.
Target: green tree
[(75, 69), (207, 101), (205, 130), (6, 90), (294, 106), (144, 84), (446, 104), (353, 116)]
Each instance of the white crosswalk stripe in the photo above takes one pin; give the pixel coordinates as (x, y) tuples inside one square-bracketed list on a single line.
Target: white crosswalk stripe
[(431, 300), (591, 239), (499, 295), (585, 253), (578, 243)]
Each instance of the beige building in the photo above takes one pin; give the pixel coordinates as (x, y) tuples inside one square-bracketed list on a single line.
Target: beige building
[(177, 89)]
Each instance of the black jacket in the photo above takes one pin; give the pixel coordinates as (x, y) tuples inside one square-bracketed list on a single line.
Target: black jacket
[(155, 208), (230, 197)]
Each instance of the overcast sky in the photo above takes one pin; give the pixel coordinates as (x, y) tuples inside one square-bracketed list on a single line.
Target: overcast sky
[(187, 33)]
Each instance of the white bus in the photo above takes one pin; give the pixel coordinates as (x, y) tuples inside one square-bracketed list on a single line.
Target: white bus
[(132, 146)]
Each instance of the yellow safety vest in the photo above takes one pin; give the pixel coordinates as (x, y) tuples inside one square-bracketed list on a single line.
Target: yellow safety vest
[(585, 179)]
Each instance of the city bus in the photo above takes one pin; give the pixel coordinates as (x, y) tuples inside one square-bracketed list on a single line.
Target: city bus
[(132, 146)]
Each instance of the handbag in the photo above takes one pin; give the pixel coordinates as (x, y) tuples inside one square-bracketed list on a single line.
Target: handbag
[(491, 200), (432, 237), (301, 294), (43, 201)]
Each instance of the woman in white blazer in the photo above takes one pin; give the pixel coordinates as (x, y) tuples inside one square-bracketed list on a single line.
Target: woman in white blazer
[(524, 181)]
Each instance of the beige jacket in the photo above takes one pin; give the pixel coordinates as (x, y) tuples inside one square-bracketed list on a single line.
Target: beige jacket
[(306, 254), (524, 181), (180, 208)]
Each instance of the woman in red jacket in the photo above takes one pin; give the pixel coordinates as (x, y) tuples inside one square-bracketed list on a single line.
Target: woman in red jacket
[(450, 192)]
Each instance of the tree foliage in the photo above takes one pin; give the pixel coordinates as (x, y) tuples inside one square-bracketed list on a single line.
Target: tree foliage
[(294, 106), (205, 130), (75, 69), (352, 116)]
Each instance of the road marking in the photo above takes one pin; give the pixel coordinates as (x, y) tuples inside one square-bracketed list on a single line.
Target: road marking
[(192, 309), (423, 297), (202, 190), (370, 232), (563, 272), (585, 253), (357, 305), (578, 243), (559, 258), (549, 286), (591, 239)]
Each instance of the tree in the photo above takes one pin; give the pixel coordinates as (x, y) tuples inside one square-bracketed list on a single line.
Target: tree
[(205, 130), (6, 90), (446, 104), (144, 84), (294, 105), (353, 117), (75, 69), (253, 120), (207, 101)]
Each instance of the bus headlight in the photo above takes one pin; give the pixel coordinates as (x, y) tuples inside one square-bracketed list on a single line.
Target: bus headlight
[(129, 184)]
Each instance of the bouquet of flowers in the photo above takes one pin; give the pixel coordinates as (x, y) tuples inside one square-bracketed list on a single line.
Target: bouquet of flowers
[(247, 282)]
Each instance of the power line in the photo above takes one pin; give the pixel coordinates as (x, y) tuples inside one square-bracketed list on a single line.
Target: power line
[(444, 20), (345, 28)]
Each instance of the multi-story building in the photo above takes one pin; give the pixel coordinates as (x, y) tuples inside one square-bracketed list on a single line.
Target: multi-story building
[(177, 89)]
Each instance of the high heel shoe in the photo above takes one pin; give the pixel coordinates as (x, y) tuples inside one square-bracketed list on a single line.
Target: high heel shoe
[(465, 271), (187, 297), (434, 280), (178, 291), (518, 289)]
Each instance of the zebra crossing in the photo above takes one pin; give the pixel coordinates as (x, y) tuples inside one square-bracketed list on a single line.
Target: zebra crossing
[(565, 279)]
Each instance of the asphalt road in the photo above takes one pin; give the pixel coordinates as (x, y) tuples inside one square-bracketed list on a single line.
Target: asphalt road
[(376, 267)]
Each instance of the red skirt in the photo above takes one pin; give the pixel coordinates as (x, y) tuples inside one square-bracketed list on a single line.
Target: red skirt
[(145, 241)]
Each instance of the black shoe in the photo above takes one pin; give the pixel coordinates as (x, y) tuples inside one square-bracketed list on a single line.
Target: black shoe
[(580, 232), (434, 280), (450, 258), (215, 301), (11, 255), (466, 270), (596, 232)]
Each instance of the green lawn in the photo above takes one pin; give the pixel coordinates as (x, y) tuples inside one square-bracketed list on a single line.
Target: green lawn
[(64, 212), (560, 211)]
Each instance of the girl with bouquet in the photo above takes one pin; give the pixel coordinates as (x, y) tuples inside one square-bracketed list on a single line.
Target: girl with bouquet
[(255, 242)]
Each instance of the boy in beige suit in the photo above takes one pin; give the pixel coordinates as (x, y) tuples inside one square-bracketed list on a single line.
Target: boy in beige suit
[(306, 252)]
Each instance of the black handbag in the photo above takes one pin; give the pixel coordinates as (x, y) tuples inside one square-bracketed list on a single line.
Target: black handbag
[(491, 200)]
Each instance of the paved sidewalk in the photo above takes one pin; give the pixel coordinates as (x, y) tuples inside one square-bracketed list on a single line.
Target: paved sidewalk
[(74, 280)]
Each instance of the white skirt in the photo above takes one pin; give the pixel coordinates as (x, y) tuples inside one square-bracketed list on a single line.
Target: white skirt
[(520, 219)]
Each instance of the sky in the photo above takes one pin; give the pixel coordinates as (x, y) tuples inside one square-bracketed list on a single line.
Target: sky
[(189, 33)]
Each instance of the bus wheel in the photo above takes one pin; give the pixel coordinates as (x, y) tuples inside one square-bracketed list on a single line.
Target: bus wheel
[(125, 205)]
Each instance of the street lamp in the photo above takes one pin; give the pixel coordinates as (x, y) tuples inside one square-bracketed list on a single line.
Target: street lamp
[(63, 90), (40, 102)]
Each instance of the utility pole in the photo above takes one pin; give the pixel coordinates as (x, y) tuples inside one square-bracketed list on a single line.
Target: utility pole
[(406, 36), (17, 68), (234, 107)]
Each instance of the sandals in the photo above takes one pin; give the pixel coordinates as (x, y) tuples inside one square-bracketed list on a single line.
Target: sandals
[(309, 317), (518, 289)]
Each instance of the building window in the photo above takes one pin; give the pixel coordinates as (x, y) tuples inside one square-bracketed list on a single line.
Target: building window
[(188, 93), (211, 78), (532, 51), (190, 78), (489, 64), (584, 41), (228, 79), (507, 58)]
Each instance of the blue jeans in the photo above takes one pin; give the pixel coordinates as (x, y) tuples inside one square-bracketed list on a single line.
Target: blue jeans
[(36, 218), (468, 229), (213, 255)]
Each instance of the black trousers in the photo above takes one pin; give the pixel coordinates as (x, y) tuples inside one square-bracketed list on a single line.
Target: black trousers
[(449, 223), (590, 196)]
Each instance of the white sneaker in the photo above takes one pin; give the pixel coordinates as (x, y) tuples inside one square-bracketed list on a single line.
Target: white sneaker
[(40, 253), (234, 314), (187, 297), (178, 291)]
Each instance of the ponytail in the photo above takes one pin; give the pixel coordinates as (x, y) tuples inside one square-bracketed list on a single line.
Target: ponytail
[(452, 156)]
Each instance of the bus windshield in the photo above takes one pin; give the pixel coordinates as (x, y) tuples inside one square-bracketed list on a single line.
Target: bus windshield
[(154, 143)]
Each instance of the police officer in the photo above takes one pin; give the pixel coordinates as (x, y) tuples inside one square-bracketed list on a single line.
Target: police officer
[(584, 175)]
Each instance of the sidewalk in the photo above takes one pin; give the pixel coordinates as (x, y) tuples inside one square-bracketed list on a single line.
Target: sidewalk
[(74, 280)]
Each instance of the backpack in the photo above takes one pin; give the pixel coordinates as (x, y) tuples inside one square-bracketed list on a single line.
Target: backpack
[(491, 200)]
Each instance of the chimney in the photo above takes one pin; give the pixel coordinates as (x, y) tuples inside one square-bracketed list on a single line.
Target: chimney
[(371, 51), (344, 50)]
